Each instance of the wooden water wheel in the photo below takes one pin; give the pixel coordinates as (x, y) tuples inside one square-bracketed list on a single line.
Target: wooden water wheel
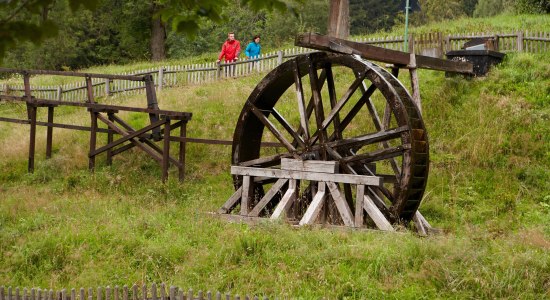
[(336, 107)]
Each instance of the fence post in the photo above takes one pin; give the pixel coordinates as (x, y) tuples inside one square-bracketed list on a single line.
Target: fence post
[(59, 93), (448, 46), (107, 87), (520, 41), (160, 78), (219, 70), (411, 43), (279, 57), (7, 89)]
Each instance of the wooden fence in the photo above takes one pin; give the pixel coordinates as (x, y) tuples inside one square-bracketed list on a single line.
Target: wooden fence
[(117, 293), (430, 44)]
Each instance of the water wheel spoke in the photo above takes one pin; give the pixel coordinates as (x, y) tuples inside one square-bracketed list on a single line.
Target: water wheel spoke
[(260, 115), (333, 101), (368, 139), (378, 155), (304, 116), (357, 107), (288, 127), (317, 101), (310, 106), (378, 124), (336, 107)]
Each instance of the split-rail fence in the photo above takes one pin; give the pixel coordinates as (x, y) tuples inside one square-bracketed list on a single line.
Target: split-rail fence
[(430, 44)]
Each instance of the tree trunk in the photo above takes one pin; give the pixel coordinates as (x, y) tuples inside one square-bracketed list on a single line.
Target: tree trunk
[(338, 19), (158, 37)]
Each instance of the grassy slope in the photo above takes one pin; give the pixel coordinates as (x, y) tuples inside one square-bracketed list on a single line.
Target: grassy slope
[(488, 189)]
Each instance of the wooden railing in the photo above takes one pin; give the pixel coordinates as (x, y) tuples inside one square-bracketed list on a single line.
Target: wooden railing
[(430, 44)]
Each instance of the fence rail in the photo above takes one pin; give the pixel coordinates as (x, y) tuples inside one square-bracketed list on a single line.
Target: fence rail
[(134, 292), (431, 44)]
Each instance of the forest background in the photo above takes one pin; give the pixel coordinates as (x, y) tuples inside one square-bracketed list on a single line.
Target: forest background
[(125, 31)]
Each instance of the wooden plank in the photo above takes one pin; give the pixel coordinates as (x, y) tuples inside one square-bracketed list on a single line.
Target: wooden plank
[(319, 166), (228, 205), (420, 228), (166, 151), (313, 210), (376, 215), (267, 197), (247, 193), (359, 205), (32, 142), (286, 201), (312, 176), (321, 42), (341, 204)]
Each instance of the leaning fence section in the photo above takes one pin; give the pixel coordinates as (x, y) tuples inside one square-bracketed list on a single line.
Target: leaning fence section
[(431, 44), (135, 292)]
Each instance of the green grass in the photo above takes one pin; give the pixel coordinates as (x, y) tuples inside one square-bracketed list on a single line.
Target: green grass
[(505, 23), (488, 190)]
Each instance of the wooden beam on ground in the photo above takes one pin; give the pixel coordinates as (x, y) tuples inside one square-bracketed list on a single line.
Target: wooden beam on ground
[(341, 204), (313, 210), (286, 201), (326, 43), (230, 203), (376, 215), (267, 197)]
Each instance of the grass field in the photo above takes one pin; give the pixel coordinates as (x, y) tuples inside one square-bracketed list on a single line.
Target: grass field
[(488, 190)]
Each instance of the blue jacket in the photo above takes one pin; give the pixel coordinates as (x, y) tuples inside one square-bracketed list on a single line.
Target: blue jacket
[(253, 50)]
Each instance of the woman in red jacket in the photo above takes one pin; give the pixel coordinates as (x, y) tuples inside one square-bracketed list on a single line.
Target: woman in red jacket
[(230, 49)]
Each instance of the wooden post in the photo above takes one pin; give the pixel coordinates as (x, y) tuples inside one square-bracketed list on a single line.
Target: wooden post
[(93, 136), (31, 113), (89, 90), (520, 41), (49, 132), (59, 93), (448, 46), (247, 192), (107, 87), (338, 20), (219, 71), (359, 205), (160, 78), (7, 89), (279, 57), (166, 150), (182, 144), (414, 82), (411, 43), (110, 140)]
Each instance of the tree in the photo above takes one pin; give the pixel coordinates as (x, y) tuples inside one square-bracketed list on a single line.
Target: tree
[(28, 20)]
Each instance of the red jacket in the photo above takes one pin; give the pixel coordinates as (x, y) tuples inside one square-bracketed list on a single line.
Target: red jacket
[(230, 49)]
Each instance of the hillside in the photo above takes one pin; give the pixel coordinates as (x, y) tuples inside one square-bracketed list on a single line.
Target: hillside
[(488, 191)]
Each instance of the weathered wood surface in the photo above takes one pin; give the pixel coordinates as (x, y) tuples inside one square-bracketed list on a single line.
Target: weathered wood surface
[(319, 166), (300, 175), (326, 43)]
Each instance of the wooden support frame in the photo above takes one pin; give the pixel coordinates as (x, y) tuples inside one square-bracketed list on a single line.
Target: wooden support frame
[(140, 138), (326, 179)]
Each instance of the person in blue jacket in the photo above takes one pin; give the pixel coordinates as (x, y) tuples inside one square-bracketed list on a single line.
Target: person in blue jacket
[(253, 49)]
